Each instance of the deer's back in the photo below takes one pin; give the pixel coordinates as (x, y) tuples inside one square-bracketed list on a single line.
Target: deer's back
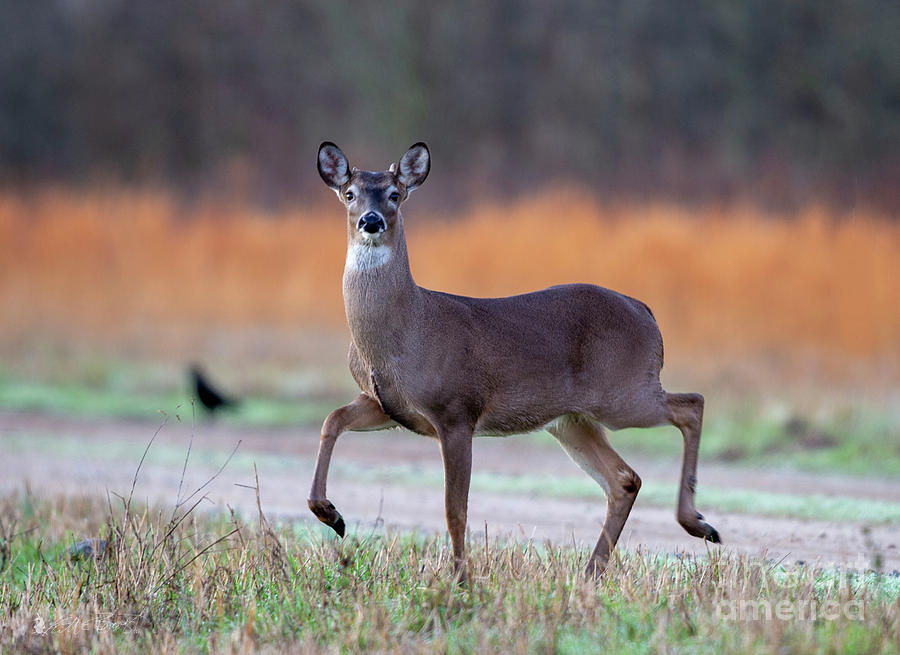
[(514, 364)]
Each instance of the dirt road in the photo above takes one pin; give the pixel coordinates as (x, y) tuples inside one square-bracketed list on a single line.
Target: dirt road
[(56, 454)]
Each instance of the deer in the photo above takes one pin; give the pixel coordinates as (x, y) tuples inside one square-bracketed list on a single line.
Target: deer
[(573, 359)]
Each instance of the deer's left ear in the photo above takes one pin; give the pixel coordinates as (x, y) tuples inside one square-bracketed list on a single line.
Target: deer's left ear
[(414, 166)]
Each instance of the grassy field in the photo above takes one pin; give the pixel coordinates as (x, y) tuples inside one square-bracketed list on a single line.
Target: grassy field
[(172, 580), (175, 580)]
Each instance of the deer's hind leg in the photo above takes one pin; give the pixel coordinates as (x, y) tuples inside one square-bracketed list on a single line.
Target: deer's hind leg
[(584, 440), (686, 413), (364, 413)]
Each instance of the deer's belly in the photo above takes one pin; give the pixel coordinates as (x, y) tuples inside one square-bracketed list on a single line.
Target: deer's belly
[(393, 404)]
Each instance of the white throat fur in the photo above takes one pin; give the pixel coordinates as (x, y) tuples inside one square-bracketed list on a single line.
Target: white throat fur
[(365, 257)]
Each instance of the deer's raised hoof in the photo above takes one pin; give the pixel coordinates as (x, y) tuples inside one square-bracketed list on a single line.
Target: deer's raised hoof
[(709, 533), (696, 526), (327, 514), (338, 526), (712, 534)]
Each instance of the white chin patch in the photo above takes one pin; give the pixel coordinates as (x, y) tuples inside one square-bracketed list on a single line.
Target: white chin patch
[(364, 256)]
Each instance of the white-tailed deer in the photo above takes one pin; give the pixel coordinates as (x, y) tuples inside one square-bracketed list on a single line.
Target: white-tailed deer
[(571, 359)]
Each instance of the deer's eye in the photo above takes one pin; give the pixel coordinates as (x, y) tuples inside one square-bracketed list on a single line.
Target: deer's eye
[(349, 196), (394, 197)]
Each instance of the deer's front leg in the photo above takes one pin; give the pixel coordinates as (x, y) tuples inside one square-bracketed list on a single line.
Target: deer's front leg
[(456, 453), (364, 413)]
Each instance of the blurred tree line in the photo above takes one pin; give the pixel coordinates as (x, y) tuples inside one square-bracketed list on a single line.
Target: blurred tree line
[(782, 101)]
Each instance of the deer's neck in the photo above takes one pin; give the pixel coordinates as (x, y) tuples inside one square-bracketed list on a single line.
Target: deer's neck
[(381, 298)]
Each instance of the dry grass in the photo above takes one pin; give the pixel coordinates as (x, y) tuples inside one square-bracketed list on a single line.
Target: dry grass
[(199, 583), (730, 280)]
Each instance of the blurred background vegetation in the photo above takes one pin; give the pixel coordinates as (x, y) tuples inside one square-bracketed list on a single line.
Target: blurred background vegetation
[(735, 165), (778, 102)]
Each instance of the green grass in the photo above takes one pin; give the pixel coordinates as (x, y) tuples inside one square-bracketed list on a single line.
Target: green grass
[(176, 581)]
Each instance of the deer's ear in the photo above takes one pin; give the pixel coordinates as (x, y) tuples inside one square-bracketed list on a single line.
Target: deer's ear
[(333, 166), (414, 166)]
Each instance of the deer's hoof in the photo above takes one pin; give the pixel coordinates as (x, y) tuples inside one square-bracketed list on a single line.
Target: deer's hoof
[(709, 533), (338, 526), (327, 514), (696, 526), (712, 534)]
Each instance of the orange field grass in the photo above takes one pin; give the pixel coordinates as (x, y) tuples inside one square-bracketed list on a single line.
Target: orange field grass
[(731, 279)]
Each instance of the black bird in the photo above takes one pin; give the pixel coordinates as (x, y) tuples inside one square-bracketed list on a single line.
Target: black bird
[(210, 397)]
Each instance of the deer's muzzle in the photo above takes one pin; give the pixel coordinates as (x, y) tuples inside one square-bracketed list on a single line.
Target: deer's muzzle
[(372, 223)]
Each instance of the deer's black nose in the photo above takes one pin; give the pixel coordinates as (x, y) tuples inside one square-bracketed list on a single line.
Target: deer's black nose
[(371, 223)]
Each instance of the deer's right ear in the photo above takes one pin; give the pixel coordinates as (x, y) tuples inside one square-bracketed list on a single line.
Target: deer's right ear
[(333, 166)]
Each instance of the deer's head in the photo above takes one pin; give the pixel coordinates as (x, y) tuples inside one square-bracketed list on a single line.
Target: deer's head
[(373, 199)]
